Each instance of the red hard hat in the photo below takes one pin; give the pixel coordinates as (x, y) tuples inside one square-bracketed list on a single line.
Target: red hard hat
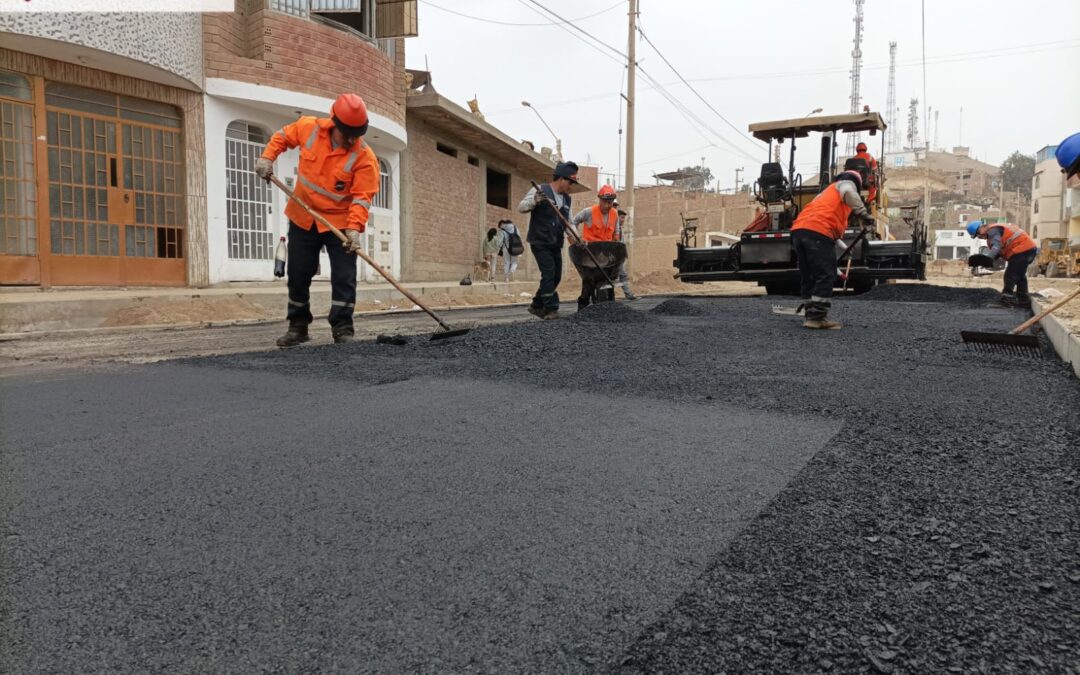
[(606, 192), (861, 147), (350, 115)]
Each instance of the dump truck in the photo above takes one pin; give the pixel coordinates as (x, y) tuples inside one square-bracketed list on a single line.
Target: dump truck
[(764, 253)]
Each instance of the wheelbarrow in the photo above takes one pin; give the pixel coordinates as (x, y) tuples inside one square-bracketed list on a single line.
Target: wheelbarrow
[(600, 269)]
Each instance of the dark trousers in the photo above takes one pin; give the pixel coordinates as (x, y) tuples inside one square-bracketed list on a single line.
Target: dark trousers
[(1016, 273), (549, 260), (588, 290), (817, 271), (304, 247)]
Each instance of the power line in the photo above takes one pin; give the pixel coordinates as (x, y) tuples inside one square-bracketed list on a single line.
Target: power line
[(514, 23), (567, 22), (691, 87), (562, 25)]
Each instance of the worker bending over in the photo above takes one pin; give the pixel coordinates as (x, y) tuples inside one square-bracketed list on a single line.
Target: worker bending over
[(338, 175), (817, 229), (599, 222), (1018, 250), (546, 235)]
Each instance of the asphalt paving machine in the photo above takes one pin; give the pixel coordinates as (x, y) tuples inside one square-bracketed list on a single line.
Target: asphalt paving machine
[(764, 253)]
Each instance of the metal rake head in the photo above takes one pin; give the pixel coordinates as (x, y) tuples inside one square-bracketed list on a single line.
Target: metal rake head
[(1003, 343)]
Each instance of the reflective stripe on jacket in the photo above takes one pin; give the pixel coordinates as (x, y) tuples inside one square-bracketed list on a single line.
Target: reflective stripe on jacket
[(827, 214), (338, 183), (1013, 240), (601, 228)]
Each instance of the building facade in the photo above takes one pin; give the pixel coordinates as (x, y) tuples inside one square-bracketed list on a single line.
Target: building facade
[(1048, 194), (133, 137)]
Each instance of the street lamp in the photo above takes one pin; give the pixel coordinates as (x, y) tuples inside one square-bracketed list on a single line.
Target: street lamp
[(558, 142), (812, 112)]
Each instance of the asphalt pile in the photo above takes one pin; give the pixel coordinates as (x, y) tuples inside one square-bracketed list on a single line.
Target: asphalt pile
[(679, 307), (937, 532), (929, 293)]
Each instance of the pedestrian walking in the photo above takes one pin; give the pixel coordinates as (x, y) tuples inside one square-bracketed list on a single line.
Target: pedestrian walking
[(599, 222), (512, 248), (624, 278), (817, 229), (338, 175), (1018, 250), (546, 235), (490, 245)]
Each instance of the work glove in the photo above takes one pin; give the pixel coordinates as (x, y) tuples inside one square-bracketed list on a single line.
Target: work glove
[(354, 240), (868, 222), (264, 168), (539, 198)]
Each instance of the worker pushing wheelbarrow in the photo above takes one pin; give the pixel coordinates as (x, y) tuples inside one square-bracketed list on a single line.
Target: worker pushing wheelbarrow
[(598, 255)]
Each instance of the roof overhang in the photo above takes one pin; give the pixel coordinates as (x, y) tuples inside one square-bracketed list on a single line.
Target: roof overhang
[(458, 123), (801, 127)]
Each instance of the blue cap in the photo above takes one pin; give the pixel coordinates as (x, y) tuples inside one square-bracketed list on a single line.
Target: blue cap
[(973, 227), (1068, 155)]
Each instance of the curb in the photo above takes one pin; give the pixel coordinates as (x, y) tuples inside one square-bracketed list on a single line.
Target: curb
[(1065, 342)]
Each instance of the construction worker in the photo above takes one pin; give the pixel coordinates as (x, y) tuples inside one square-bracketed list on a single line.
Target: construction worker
[(1068, 156), (1018, 250), (546, 233), (338, 177), (871, 179), (624, 278), (599, 222), (816, 230)]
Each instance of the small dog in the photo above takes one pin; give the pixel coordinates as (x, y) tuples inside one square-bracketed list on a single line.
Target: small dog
[(481, 271)]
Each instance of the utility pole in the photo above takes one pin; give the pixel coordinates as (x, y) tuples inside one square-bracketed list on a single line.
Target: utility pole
[(631, 104)]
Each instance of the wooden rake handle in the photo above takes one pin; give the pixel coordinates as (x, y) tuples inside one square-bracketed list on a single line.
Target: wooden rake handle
[(352, 249), (1043, 314)]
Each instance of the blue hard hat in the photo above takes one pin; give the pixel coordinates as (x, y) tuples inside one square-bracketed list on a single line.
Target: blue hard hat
[(1068, 154), (973, 227)]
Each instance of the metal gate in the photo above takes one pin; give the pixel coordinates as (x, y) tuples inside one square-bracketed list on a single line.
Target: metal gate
[(248, 199), (115, 177)]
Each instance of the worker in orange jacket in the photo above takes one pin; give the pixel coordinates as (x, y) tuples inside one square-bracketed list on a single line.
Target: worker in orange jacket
[(1018, 250), (871, 179), (814, 235), (599, 222), (338, 177)]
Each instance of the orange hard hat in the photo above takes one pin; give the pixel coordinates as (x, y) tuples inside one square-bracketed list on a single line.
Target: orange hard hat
[(861, 147), (349, 113), (606, 192)]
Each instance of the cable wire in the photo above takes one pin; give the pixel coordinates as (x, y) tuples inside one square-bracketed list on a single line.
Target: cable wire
[(514, 23)]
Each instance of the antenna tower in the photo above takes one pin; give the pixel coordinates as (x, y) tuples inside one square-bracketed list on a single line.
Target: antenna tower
[(856, 74), (913, 125), (892, 135), (937, 119)]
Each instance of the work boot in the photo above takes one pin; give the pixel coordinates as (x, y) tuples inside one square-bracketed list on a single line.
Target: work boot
[(296, 335), (629, 295), (1005, 300), (553, 314), (821, 324), (344, 336), (536, 311)]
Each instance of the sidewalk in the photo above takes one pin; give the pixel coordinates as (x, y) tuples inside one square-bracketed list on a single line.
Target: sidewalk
[(32, 310)]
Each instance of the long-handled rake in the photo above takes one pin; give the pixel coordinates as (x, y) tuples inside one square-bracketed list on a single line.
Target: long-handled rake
[(445, 332), (1014, 342)]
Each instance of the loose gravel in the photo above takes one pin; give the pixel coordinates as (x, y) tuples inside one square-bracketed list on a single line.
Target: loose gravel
[(610, 312), (938, 533), (679, 307)]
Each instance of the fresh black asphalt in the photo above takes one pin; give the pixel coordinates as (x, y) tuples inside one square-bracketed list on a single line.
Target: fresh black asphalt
[(604, 492)]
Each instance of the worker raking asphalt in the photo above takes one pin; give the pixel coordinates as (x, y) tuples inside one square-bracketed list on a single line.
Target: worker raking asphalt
[(936, 530)]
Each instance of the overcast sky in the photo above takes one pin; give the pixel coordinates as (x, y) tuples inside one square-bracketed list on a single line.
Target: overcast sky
[(1011, 65)]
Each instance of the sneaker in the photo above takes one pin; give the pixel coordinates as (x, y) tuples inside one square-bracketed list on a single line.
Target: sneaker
[(821, 324), (296, 335), (538, 313)]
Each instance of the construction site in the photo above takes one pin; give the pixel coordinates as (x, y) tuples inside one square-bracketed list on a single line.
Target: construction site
[(324, 354)]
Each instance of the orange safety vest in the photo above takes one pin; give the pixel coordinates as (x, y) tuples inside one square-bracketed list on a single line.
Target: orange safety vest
[(1013, 240), (827, 214), (338, 183), (601, 228), (870, 161)]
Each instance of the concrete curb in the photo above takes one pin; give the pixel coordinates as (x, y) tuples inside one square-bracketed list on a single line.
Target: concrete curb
[(1066, 343)]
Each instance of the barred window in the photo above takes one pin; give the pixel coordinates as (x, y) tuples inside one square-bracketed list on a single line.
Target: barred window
[(385, 198)]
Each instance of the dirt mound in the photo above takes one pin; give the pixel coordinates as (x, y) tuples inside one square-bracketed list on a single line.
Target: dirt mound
[(611, 312), (679, 307), (928, 293)]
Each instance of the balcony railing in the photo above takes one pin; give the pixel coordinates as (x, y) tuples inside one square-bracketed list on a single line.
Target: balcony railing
[(368, 19)]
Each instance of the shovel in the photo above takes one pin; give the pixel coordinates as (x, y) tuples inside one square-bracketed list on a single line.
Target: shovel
[(1013, 342), (799, 311), (445, 332)]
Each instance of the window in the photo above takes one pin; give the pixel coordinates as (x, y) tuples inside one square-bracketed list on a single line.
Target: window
[(294, 7), (385, 198), (446, 149), (1035, 204), (498, 188), (359, 15), (475, 161), (388, 46), (13, 85), (944, 253), (1036, 186), (18, 188), (247, 198)]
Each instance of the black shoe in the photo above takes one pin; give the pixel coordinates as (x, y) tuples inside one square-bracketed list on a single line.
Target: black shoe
[(296, 335), (537, 312), (344, 337)]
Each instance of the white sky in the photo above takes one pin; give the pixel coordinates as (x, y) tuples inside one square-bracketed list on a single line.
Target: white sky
[(1011, 64)]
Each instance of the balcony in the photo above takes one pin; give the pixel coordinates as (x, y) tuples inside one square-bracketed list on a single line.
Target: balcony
[(370, 20)]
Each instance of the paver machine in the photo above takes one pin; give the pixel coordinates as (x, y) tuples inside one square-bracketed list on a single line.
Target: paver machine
[(764, 253)]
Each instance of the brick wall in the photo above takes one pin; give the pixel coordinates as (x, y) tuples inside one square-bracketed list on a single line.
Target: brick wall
[(260, 46)]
